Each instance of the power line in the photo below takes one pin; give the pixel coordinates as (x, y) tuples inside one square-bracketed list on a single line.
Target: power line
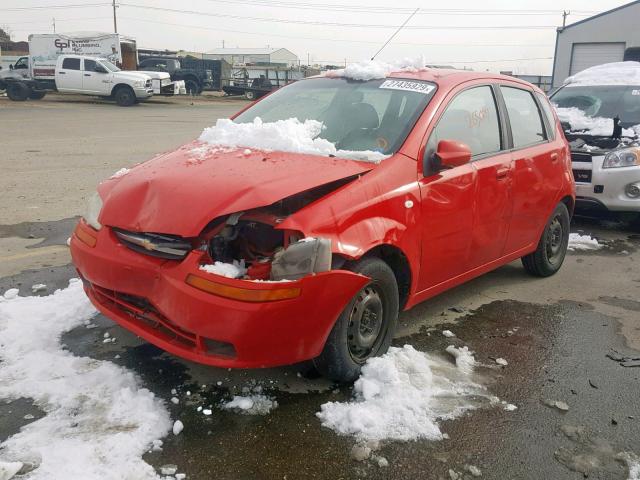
[(78, 5), (337, 24), (340, 40)]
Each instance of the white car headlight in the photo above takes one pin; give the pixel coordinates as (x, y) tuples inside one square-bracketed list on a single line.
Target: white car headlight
[(93, 211), (139, 83), (626, 157)]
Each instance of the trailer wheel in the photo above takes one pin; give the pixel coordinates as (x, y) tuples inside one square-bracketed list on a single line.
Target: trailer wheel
[(18, 91), (192, 87), (249, 95), (37, 94), (124, 96)]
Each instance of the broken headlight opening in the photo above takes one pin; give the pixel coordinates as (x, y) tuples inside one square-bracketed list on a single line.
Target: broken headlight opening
[(626, 157), (94, 206), (270, 254)]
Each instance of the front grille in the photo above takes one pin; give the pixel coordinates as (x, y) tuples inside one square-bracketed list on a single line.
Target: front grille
[(144, 314), (581, 157), (148, 84), (169, 247)]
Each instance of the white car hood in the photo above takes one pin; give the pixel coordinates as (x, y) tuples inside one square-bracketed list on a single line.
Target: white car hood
[(131, 75), (156, 75)]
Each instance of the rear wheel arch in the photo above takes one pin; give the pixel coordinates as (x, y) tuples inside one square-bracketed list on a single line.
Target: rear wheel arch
[(570, 203)]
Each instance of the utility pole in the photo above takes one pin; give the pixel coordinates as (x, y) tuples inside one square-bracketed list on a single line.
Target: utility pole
[(565, 14), (115, 21), (54, 25), (222, 43), (308, 60)]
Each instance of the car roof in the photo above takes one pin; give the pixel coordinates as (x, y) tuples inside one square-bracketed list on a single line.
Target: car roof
[(451, 76)]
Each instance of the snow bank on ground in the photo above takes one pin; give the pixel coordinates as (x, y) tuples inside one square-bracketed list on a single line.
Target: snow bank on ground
[(9, 469), (99, 421), (582, 242), (289, 135), (230, 270), (256, 404), (617, 73), (374, 69), (403, 394)]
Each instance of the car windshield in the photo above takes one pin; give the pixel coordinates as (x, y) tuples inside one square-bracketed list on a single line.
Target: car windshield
[(605, 101), (109, 66), (375, 115)]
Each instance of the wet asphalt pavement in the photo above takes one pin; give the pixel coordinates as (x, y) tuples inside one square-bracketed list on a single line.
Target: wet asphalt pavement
[(557, 345)]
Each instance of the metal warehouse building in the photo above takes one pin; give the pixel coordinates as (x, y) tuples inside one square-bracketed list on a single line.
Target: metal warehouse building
[(611, 36), (245, 56)]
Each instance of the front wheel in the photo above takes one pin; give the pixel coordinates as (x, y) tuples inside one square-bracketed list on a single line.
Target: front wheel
[(552, 247), (365, 327), (18, 91), (125, 97)]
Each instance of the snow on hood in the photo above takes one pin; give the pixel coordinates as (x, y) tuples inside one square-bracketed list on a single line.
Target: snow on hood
[(618, 73), (373, 69), (594, 126), (289, 135)]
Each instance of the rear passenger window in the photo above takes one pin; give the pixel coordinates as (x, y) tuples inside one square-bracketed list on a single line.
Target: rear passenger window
[(89, 65), (71, 64), (470, 118), (524, 116), (546, 108)]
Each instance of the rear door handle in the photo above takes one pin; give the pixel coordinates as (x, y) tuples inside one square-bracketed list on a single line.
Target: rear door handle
[(62, 73), (554, 157), (87, 74), (502, 173)]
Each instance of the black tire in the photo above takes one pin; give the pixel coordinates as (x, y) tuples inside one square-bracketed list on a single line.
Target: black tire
[(365, 327), (192, 87), (552, 247), (37, 94), (18, 91), (124, 96), (249, 95)]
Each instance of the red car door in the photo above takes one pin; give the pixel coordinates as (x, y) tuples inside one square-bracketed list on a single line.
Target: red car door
[(450, 197), (537, 166)]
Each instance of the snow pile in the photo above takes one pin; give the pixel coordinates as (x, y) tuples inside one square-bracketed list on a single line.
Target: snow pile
[(617, 73), (464, 358), (99, 421), (9, 469), (373, 69), (230, 270), (582, 242), (403, 394), (289, 135), (256, 404)]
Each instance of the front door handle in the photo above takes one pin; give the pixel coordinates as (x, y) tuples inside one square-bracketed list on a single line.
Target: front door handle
[(502, 173), (87, 74), (62, 73)]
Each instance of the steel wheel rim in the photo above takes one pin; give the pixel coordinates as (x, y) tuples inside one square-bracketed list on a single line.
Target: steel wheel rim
[(555, 239), (366, 323)]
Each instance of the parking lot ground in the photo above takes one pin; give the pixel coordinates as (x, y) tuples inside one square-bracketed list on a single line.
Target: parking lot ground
[(555, 333)]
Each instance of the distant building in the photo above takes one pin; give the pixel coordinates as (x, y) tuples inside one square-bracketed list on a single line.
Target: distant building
[(247, 56), (611, 36)]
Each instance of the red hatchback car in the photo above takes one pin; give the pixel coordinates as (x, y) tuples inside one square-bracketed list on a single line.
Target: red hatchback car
[(324, 252)]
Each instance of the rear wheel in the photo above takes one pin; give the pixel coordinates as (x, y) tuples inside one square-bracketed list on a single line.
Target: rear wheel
[(249, 95), (552, 247), (37, 94), (124, 96), (18, 91), (365, 327), (192, 87)]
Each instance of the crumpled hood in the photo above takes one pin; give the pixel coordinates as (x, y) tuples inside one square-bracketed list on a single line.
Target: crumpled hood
[(158, 75), (131, 75), (182, 191)]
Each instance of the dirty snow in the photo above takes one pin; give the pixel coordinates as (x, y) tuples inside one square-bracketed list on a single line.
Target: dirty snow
[(256, 404), (9, 469), (178, 426), (38, 287), (594, 126), (120, 173), (502, 361), (464, 358), (403, 394), (448, 333), (374, 69), (230, 270), (289, 135), (582, 242), (99, 421), (617, 73), (633, 464)]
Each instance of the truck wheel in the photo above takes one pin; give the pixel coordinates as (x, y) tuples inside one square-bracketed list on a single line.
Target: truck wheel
[(365, 327), (124, 96), (37, 94), (18, 91), (250, 95), (552, 247), (192, 87)]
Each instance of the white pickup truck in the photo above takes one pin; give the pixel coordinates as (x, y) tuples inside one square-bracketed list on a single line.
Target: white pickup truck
[(82, 75)]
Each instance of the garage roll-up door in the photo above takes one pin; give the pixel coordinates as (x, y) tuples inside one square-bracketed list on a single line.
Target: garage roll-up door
[(585, 55)]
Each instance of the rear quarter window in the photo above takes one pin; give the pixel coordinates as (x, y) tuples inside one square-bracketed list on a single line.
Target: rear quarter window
[(551, 120)]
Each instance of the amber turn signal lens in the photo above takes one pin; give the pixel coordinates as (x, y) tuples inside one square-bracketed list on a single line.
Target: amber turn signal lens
[(85, 237), (242, 294)]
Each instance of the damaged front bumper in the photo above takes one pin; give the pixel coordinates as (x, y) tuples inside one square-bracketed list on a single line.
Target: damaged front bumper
[(150, 296)]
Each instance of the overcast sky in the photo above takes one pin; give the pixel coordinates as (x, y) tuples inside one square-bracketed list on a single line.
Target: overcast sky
[(515, 35)]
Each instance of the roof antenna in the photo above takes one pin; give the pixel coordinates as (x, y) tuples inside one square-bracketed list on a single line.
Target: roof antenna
[(395, 33)]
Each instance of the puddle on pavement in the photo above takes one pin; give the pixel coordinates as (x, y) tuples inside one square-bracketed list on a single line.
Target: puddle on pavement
[(52, 233), (553, 352)]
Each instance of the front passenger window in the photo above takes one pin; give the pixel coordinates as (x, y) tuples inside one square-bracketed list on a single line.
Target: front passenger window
[(470, 118)]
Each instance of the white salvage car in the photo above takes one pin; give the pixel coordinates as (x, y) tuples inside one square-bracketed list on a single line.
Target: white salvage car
[(600, 111)]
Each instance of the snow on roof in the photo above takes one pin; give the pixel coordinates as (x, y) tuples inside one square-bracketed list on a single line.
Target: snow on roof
[(244, 51), (289, 135), (373, 69), (617, 73)]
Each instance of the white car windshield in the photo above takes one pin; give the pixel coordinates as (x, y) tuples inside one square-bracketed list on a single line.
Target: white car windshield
[(376, 115), (109, 66)]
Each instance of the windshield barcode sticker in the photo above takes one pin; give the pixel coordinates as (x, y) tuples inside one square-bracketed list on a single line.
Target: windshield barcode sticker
[(419, 87), (635, 92)]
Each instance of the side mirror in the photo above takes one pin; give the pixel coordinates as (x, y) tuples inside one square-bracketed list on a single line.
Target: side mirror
[(451, 154), (100, 69), (11, 66)]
